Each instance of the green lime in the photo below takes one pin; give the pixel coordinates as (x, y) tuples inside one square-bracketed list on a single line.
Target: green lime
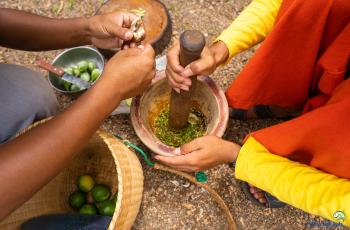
[(88, 209), (115, 198), (95, 74), (69, 70), (91, 66), (76, 72), (77, 199), (100, 193), (85, 76), (85, 183), (106, 208), (74, 88), (66, 85), (83, 66)]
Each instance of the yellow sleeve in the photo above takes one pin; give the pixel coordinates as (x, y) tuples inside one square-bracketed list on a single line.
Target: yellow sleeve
[(251, 26), (299, 185)]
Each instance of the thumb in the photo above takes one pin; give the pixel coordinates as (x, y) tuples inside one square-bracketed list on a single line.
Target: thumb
[(123, 33), (195, 68), (148, 50), (191, 146)]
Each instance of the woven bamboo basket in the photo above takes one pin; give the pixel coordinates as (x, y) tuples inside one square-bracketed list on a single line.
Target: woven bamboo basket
[(107, 160)]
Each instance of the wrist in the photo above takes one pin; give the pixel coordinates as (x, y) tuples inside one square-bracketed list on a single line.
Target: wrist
[(233, 150), (220, 52), (88, 27), (107, 86)]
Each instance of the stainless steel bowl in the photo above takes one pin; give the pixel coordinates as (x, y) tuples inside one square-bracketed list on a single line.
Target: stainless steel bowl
[(71, 57)]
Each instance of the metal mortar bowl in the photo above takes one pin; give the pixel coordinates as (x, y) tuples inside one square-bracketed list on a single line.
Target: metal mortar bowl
[(71, 57), (207, 97)]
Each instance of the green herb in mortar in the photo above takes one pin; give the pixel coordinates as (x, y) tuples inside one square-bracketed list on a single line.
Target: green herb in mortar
[(173, 137)]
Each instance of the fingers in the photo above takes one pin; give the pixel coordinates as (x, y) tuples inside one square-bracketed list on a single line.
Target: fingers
[(128, 18), (173, 58), (175, 86), (192, 146), (129, 45), (122, 33), (179, 76), (204, 66), (148, 50), (174, 69), (185, 163)]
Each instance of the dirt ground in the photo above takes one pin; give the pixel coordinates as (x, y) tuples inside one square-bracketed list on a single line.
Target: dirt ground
[(170, 202)]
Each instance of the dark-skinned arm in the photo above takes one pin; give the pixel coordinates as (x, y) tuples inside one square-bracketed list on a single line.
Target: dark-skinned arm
[(29, 162), (27, 31)]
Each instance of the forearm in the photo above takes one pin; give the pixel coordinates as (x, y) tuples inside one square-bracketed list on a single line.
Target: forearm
[(251, 27), (300, 185), (26, 31), (32, 160), (220, 52)]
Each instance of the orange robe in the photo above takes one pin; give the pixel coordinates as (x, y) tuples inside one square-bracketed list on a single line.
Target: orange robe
[(304, 63)]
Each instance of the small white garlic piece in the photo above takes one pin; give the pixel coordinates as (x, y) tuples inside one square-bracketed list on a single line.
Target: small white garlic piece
[(138, 30)]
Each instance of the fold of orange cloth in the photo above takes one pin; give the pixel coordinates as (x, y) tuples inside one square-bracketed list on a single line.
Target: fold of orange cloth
[(304, 63)]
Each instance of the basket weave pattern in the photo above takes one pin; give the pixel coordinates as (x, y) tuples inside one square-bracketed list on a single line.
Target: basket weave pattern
[(107, 160)]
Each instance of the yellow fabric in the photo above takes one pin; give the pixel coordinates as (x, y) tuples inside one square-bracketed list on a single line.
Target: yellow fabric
[(299, 185), (251, 26)]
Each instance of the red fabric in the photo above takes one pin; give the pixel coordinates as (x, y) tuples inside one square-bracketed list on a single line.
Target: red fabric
[(303, 63)]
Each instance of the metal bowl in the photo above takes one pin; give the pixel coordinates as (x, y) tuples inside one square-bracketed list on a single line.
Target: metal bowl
[(71, 57)]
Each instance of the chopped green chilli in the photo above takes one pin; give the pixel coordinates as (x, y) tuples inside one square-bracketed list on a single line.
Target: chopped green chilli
[(95, 74), (85, 76), (196, 127), (66, 85), (86, 70), (76, 72), (74, 88), (69, 70), (91, 66), (83, 66)]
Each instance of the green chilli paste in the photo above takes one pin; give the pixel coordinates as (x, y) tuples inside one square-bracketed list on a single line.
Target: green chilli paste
[(173, 137)]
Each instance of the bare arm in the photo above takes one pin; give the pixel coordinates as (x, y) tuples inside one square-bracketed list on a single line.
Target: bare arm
[(32, 160), (27, 31)]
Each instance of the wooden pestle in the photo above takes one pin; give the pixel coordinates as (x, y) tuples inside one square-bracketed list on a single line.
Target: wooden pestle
[(192, 43)]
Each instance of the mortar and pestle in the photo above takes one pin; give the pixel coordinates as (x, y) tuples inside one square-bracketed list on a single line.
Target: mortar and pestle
[(203, 95)]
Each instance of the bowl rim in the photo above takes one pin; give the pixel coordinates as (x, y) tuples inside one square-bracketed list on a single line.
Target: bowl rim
[(68, 50), (159, 147)]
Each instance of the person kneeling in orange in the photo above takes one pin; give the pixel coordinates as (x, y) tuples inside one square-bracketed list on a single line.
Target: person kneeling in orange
[(300, 72)]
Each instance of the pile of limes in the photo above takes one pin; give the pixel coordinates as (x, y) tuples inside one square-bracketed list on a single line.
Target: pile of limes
[(91, 199), (86, 70)]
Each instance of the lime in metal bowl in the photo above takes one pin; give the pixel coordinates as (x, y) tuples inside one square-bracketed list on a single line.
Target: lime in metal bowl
[(71, 57)]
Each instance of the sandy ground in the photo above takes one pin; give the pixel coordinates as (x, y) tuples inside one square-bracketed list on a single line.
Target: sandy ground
[(170, 202)]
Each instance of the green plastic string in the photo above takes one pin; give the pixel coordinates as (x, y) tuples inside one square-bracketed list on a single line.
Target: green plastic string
[(200, 176), (137, 149)]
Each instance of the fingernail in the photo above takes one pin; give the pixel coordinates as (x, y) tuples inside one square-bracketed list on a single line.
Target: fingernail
[(141, 47), (157, 157), (128, 35), (185, 87), (177, 90), (188, 82), (180, 68), (187, 73), (177, 151)]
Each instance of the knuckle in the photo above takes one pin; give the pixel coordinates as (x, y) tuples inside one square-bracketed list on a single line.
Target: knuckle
[(196, 169), (192, 162), (211, 61), (195, 67), (178, 79)]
